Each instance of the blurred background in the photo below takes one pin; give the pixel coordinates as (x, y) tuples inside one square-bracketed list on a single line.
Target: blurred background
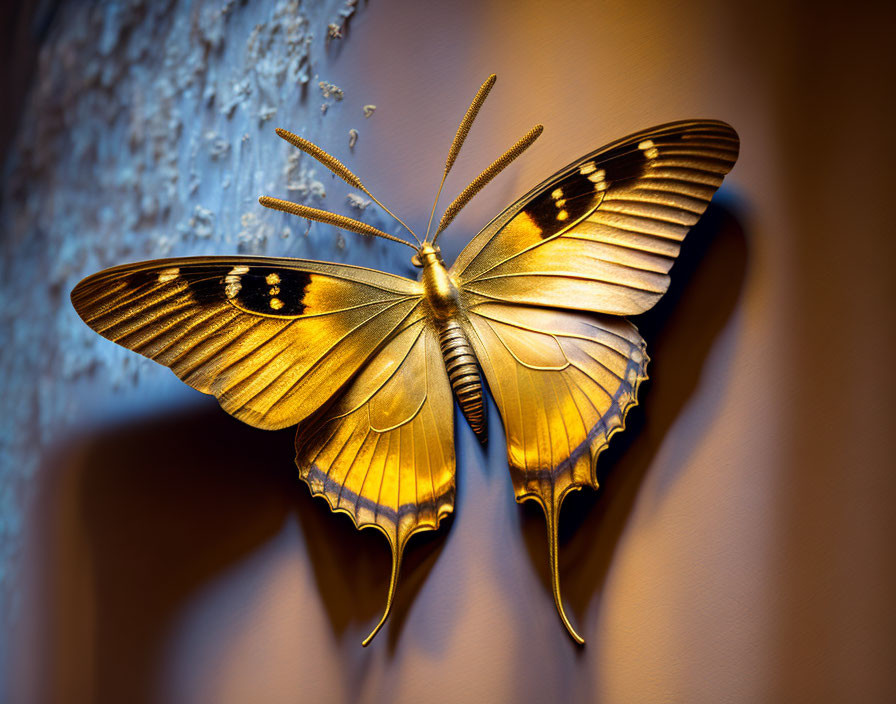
[(740, 548)]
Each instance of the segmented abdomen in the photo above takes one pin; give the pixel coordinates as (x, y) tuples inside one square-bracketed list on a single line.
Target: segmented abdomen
[(463, 372)]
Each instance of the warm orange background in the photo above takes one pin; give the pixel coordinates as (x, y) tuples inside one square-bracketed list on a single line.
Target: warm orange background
[(741, 548)]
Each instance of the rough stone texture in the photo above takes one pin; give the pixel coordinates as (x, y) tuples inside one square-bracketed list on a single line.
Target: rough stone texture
[(148, 133)]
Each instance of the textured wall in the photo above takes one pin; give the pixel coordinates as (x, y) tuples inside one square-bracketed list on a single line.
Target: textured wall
[(148, 133), (740, 548)]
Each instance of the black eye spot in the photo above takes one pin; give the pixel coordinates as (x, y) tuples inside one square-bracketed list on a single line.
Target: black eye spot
[(625, 162), (570, 199), (581, 189), (203, 281), (258, 289), (272, 291)]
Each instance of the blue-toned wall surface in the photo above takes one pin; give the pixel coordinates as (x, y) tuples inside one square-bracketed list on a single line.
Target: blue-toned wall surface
[(149, 132), (740, 548)]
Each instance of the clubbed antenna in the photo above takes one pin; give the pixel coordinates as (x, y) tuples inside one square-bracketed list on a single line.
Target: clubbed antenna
[(462, 131), (482, 179), (338, 168), (328, 160), (303, 211)]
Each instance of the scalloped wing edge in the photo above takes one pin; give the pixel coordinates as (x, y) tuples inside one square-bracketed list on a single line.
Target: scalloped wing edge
[(552, 510)]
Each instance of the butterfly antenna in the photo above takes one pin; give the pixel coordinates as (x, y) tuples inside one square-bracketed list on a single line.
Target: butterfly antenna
[(303, 211), (462, 131), (552, 516), (393, 581), (338, 168), (482, 179)]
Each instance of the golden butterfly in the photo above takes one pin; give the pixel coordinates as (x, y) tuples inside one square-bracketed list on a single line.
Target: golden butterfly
[(368, 364)]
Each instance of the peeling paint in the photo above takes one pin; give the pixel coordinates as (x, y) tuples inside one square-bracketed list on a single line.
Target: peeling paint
[(330, 90), (357, 202)]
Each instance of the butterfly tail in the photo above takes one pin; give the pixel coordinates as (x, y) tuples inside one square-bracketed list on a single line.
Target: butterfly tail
[(397, 551), (552, 518)]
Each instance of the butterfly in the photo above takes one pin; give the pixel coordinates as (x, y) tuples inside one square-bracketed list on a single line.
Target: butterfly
[(369, 365)]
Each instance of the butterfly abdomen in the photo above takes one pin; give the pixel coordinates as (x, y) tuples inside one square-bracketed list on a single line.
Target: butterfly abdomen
[(463, 372)]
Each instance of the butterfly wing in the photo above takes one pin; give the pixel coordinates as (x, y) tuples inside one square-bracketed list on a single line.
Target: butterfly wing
[(602, 234), (384, 452), (276, 339), (272, 339), (541, 286), (563, 382)]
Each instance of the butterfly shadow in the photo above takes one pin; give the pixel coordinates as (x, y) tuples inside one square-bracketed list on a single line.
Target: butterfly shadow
[(680, 331), (136, 520)]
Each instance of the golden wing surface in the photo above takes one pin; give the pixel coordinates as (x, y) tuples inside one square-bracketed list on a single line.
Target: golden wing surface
[(602, 234), (273, 339), (563, 382), (384, 452)]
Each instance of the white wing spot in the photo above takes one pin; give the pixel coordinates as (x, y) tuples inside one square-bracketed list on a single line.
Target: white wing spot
[(598, 178), (231, 288), (276, 303), (167, 275), (557, 193), (232, 283), (562, 215), (649, 149), (588, 168), (272, 279)]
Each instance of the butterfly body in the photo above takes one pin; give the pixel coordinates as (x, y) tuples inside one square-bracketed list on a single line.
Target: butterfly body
[(368, 364), (445, 309)]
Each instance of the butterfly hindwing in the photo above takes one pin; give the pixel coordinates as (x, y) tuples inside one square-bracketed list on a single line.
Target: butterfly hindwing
[(384, 452), (563, 382), (602, 234), (272, 339)]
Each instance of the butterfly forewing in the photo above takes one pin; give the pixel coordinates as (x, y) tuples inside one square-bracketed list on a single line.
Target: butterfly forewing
[(272, 339), (602, 234)]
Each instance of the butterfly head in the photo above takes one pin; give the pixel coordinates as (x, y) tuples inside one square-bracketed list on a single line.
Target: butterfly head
[(428, 254)]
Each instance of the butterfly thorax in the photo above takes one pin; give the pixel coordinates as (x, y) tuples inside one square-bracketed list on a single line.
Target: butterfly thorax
[(441, 293)]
